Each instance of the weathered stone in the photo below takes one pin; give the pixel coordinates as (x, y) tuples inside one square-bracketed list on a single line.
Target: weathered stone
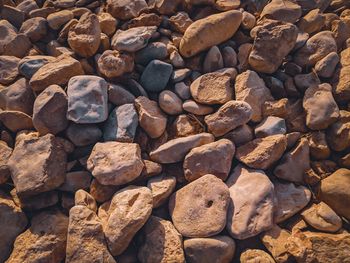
[(16, 120), (340, 80), (240, 135), (75, 181), (170, 103), (251, 208), (326, 66), (115, 163), (153, 51), (180, 22), (175, 150), (162, 187), (212, 158), (34, 28), (208, 32), (101, 192), (199, 208), (126, 9), (20, 97), (271, 126), (87, 99), (58, 19), (83, 134), (8, 69), (113, 63), (255, 255), (282, 10), (261, 153), (5, 153), (213, 60), (108, 23), (196, 108), (31, 64), (118, 95), (156, 76), (228, 117)]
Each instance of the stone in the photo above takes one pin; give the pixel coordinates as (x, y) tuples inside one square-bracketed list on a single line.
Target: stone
[(318, 145), (133, 39), (150, 19), (13, 221), (84, 37), (229, 116), (56, 72), (31, 64), (312, 21), (196, 108), (83, 134), (199, 208), (212, 158), (8, 69), (320, 106), (86, 241), (212, 88), (322, 217), (208, 32), (162, 242), (272, 43), (47, 236), (34, 28), (282, 10), (213, 60), (100, 192), (115, 163), (164, 7), (20, 97), (290, 200), (340, 80), (251, 209), (295, 163), (176, 60), (156, 75), (37, 165), (124, 10), (5, 153), (304, 81), (312, 246), (326, 66), (333, 191), (108, 23), (180, 74), (249, 87), (153, 51), (162, 187), (270, 126), (16, 120), (255, 255), (170, 103), (261, 153), (151, 118), (240, 135), (113, 63), (175, 150), (75, 181), (118, 95), (184, 125), (57, 19), (217, 249), (180, 22), (83, 198), (12, 14), (87, 99), (229, 56), (248, 20), (128, 211), (316, 48), (49, 111), (338, 135)]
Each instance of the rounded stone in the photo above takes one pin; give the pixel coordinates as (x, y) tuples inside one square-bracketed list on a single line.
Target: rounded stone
[(198, 109), (170, 103), (156, 75)]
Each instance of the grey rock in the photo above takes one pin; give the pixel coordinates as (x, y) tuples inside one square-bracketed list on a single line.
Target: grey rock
[(156, 76), (270, 126), (83, 134), (155, 50)]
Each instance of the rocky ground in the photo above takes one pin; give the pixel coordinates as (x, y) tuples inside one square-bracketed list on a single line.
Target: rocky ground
[(199, 131)]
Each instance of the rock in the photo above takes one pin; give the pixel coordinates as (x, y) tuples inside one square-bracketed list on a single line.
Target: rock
[(36, 202), (249, 87), (56, 72), (218, 249), (311, 246), (20, 97), (170, 103), (321, 109), (133, 39), (326, 66), (118, 95), (322, 217), (340, 80), (318, 146), (31, 64), (156, 76), (50, 109), (184, 126), (312, 22), (87, 99), (229, 56), (261, 153), (270, 126), (5, 153), (128, 211), (338, 135), (213, 60), (86, 240), (294, 164), (251, 208), (58, 19), (282, 10), (126, 10), (34, 28), (333, 191), (115, 163), (16, 120), (248, 20), (153, 51), (255, 255), (196, 108), (176, 60), (101, 192), (304, 81), (113, 63), (316, 48), (151, 118), (75, 181), (208, 32), (13, 221), (290, 200), (240, 135), (180, 74), (175, 150), (164, 7), (212, 158), (162, 187), (46, 236), (83, 134), (9, 69), (228, 117), (162, 243), (85, 199), (121, 124), (180, 22), (272, 43), (37, 165), (84, 37), (108, 23), (212, 88)]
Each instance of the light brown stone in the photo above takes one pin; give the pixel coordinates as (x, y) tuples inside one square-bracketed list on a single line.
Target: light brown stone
[(282, 10), (16, 120), (113, 63), (162, 187), (255, 255), (8, 69), (124, 10)]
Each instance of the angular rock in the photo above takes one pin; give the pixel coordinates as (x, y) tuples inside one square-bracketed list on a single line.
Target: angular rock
[(87, 99), (5, 153), (118, 95), (108, 23), (16, 120), (253, 255), (180, 22), (282, 10), (340, 80), (240, 135), (34, 28), (9, 69), (58, 19), (75, 181), (271, 126), (251, 208), (124, 10), (31, 64), (162, 187), (83, 134), (326, 66), (261, 153), (101, 192), (113, 63), (212, 158), (156, 76), (85, 199), (199, 208), (115, 163), (20, 97), (338, 135), (175, 150)]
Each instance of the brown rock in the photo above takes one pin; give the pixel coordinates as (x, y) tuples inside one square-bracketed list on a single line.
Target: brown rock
[(261, 153), (58, 19), (162, 187), (212, 158), (20, 97), (326, 66), (184, 125), (113, 63), (82, 198), (255, 255), (115, 163), (36, 202), (124, 10), (101, 192), (196, 108), (282, 10), (108, 23), (16, 120), (5, 153), (8, 69), (318, 145), (340, 80), (170, 103), (312, 21), (180, 22), (34, 28), (199, 208), (338, 135)]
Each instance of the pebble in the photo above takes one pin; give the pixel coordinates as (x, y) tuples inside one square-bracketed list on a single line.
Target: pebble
[(118, 95), (198, 109), (326, 66), (34, 28), (170, 103), (156, 76), (182, 90), (213, 60), (229, 56), (154, 51)]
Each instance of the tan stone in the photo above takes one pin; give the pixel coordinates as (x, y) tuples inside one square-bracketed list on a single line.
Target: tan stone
[(82, 198), (58, 19), (318, 145), (8, 69), (16, 120), (124, 10), (338, 135), (162, 187), (185, 125), (113, 63), (282, 10), (5, 153), (170, 103), (108, 23), (255, 255)]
